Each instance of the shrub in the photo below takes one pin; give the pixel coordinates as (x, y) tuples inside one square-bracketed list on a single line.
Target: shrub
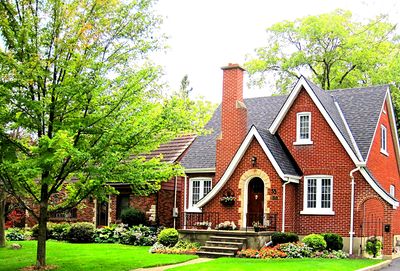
[(333, 241), (295, 250), (82, 232), (168, 237), (58, 231), (15, 234), (35, 231), (373, 246), (132, 217), (284, 237), (334, 254), (139, 236), (182, 247), (315, 241)]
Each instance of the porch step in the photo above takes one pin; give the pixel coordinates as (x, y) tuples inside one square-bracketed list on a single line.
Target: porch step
[(224, 244), (227, 238), (208, 254), (221, 246)]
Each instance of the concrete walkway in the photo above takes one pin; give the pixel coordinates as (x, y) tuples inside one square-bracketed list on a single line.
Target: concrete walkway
[(393, 266), (165, 267)]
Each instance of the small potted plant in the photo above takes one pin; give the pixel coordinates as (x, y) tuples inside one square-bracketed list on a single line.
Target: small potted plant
[(258, 226), (203, 225), (373, 246)]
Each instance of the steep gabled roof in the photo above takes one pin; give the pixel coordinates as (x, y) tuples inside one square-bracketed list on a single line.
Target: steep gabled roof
[(361, 108), (279, 159), (202, 153), (353, 113)]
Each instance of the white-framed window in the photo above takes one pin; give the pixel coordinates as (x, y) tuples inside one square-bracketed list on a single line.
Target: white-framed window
[(384, 140), (392, 190), (318, 195), (303, 128), (198, 188)]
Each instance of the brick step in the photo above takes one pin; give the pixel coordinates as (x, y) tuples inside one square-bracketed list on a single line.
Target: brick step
[(211, 254), (224, 244)]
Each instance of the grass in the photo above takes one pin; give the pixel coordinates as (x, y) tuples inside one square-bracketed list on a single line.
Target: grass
[(235, 264), (87, 256)]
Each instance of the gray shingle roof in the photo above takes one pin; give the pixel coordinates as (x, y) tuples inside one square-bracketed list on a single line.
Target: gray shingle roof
[(360, 107)]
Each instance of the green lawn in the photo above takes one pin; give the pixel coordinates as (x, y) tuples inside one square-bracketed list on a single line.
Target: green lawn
[(87, 256), (235, 264)]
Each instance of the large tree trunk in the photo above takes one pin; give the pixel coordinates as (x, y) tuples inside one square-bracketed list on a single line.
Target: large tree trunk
[(2, 217), (41, 245)]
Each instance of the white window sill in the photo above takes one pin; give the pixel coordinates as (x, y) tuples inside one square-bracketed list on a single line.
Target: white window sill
[(384, 152), (193, 210), (317, 212), (305, 142)]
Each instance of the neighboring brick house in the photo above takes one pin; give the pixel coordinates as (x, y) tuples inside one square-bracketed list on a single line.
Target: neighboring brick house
[(158, 207), (313, 161)]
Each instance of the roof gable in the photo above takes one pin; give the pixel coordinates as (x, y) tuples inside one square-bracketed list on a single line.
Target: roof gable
[(283, 168), (326, 105)]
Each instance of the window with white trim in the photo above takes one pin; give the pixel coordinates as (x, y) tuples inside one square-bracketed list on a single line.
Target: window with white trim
[(303, 128), (392, 190), (318, 195), (198, 188), (384, 140)]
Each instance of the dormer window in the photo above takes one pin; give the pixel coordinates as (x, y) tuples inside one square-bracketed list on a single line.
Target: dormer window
[(303, 128), (384, 140)]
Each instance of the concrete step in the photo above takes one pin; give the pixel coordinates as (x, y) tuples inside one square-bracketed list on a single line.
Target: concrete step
[(227, 238), (210, 254), (219, 249), (224, 244)]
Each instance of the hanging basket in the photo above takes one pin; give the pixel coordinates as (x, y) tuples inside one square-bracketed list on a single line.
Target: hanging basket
[(228, 198)]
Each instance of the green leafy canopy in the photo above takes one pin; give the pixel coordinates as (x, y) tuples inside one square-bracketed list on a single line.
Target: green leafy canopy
[(81, 102), (334, 49)]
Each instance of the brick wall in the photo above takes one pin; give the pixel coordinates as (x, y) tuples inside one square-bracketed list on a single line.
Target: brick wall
[(233, 213), (233, 117), (384, 167)]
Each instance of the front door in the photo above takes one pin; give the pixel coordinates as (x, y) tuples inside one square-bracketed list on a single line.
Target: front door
[(255, 202), (102, 213)]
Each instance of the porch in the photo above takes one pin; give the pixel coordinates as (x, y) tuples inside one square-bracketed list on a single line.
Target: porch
[(253, 222)]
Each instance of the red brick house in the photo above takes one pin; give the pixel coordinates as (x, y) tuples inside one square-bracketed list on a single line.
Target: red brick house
[(161, 208), (313, 161)]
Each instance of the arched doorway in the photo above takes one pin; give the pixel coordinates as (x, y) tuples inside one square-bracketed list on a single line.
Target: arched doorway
[(255, 201)]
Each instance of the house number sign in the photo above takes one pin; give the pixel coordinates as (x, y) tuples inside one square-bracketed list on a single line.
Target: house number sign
[(274, 196)]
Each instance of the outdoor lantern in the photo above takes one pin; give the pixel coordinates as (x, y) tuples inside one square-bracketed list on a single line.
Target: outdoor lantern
[(253, 161)]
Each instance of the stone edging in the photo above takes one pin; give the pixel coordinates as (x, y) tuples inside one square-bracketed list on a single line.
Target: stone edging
[(377, 266)]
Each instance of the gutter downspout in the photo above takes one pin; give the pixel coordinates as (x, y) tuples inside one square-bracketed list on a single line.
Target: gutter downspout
[(184, 204), (352, 209), (174, 210), (284, 204)]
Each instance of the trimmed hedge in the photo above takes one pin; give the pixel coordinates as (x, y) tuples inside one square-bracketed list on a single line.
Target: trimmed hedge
[(333, 241), (284, 237), (315, 241), (82, 232), (133, 217), (168, 237)]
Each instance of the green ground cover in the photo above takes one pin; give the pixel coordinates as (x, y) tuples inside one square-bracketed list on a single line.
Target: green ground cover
[(91, 257), (236, 264)]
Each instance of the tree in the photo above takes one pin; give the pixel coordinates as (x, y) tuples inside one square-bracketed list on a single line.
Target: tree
[(334, 49), (76, 85)]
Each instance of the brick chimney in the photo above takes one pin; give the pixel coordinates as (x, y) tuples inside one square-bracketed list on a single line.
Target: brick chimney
[(233, 117)]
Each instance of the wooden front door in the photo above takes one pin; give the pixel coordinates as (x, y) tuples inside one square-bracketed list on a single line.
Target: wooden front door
[(102, 214), (255, 202)]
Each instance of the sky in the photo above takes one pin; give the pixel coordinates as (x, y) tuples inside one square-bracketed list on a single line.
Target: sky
[(205, 35)]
